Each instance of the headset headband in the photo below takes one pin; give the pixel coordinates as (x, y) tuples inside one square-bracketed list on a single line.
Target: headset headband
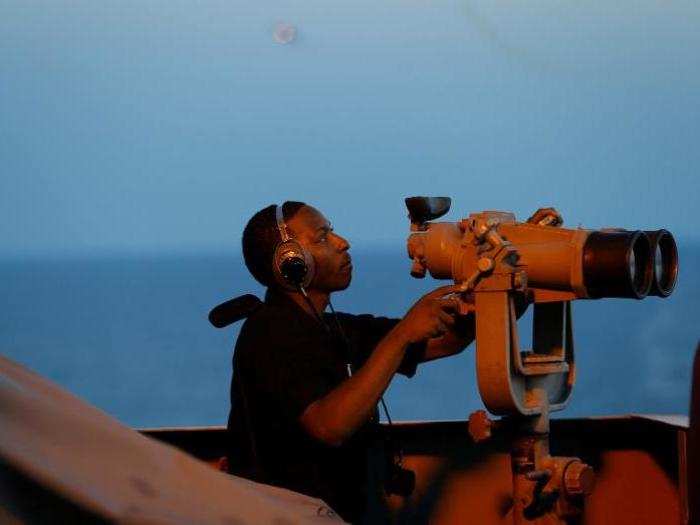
[(281, 225)]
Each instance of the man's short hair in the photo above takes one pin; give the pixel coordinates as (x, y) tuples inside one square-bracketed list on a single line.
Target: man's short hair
[(260, 238)]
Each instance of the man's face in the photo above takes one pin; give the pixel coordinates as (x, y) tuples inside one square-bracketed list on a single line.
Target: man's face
[(329, 250)]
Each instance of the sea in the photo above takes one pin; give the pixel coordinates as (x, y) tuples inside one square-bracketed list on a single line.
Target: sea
[(129, 334)]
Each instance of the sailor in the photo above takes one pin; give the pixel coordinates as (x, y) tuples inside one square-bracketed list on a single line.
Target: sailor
[(306, 382)]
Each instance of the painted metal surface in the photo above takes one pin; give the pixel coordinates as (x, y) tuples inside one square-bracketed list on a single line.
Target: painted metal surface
[(64, 461), (639, 462), (497, 261), (692, 446)]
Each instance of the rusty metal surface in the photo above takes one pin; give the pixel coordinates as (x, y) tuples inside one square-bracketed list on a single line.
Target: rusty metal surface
[(64, 459)]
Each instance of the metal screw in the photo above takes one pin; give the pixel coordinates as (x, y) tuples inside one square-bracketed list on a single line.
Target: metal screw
[(579, 479), (485, 264)]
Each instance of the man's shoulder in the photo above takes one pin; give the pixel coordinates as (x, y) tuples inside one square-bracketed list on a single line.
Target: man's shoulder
[(270, 329)]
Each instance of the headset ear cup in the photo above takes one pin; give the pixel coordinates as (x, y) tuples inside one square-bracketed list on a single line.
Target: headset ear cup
[(293, 269), (293, 265)]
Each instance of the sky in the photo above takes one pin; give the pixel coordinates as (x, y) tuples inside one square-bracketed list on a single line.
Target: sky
[(160, 126)]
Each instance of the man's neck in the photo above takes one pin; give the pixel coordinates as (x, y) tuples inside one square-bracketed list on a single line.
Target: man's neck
[(319, 300)]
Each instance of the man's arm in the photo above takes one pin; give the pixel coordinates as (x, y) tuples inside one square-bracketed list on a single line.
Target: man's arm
[(336, 416), (339, 414)]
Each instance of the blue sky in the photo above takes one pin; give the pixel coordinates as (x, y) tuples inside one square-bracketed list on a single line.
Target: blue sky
[(160, 126)]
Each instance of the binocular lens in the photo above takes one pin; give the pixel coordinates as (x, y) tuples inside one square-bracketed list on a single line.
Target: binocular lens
[(633, 267), (665, 262), (617, 264)]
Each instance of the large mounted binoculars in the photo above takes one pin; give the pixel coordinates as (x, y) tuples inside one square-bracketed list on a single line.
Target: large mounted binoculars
[(494, 257), (578, 264)]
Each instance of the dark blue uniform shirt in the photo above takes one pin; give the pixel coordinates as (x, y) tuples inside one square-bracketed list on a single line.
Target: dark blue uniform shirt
[(284, 360)]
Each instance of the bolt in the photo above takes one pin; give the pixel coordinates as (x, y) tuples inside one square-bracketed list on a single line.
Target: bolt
[(520, 280), (538, 475), (418, 269), (485, 264), (579, 479), (479, 426)]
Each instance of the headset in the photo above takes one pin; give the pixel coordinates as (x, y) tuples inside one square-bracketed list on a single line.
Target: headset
[(292, 264)]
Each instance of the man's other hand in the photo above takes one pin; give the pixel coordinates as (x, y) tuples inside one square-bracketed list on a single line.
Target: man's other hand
[(546, 217), (431, 316)]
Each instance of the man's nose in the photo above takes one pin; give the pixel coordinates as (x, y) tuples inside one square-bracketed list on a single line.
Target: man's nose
[(342, 244)]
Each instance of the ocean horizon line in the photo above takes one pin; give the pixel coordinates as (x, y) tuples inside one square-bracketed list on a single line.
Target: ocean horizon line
[(389, 245)]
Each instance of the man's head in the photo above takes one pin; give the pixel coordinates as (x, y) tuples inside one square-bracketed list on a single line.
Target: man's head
[(309, 228)]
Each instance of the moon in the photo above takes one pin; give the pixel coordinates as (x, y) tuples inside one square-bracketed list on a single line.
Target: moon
[(284, 33)]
